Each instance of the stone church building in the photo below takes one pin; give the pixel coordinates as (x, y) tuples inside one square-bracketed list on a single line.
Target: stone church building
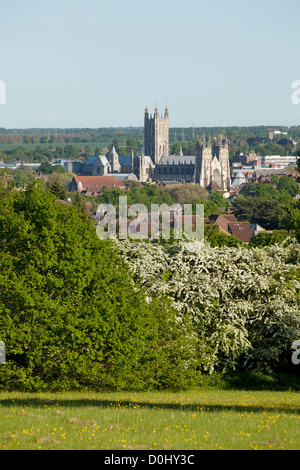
[(209, 167)]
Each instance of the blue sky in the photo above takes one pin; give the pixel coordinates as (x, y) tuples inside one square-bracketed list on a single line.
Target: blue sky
[(90, 63)]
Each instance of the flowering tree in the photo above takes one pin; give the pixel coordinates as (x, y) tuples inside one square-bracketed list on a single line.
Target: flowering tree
[(243, 303)]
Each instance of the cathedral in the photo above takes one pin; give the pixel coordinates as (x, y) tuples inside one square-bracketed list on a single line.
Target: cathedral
[(209, 167)]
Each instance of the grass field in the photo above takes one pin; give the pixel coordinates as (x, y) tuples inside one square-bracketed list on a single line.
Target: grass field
[(191, 420)]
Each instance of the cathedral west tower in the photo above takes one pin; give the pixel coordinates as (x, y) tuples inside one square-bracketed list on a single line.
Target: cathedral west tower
[(212, 164)]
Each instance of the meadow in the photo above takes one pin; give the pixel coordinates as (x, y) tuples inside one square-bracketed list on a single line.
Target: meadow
[(191, 420)]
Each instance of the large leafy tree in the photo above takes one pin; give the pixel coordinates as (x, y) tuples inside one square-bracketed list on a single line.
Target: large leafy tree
[(23, 176), (45, 168), (289, 184), (266, 212), (70, 315), (218, 198)]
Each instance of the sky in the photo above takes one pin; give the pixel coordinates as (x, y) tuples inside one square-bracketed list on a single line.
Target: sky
[(95, 63)]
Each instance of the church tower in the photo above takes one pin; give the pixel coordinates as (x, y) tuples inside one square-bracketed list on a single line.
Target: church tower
[(224, 165), (203, 162), (156, 135), (212, 164), (114, 161)]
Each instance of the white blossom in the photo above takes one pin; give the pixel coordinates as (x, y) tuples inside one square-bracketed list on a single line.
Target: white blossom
[(241, 301)]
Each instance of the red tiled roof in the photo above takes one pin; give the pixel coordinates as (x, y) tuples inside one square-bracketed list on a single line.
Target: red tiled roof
[(230, 217), (94, 184), (222, 221), (241, 230)]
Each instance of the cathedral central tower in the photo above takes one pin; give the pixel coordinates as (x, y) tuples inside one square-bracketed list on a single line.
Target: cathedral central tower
[(156, 135)]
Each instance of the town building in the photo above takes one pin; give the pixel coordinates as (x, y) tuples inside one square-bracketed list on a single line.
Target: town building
[(93, 185), (228, 224), (279, 160)]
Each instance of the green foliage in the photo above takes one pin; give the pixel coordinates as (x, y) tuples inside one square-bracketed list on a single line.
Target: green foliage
[(27, 139), (67, 318), (57, 185), (45, 168), (265, 212), (59, 169), (186, 193), (275, 179), (289, 184), (218, 198), (216, 238), (271, 238), (70, 151), (70, 315), (147, 195), (210, 207), (171, 354), (282, 210), (80, 202), (23, 176), (131, 144)]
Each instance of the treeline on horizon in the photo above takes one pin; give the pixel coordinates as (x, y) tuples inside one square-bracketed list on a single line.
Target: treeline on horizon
[(41, 144), (176, 133)]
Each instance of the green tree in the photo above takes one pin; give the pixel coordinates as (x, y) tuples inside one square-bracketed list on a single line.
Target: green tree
[(175, 148), (80, 202), (131, 144), (270, 238), (88, 151), (45, 168), (248, 189), (267, 213), (70, 151), (289, 184), (3, 156), (218, 198), (40, 154), (216, 238), (70, 316), (275, 179), (59, 169), (19, 154), (122, 151), (23, 176), (57, 185)]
